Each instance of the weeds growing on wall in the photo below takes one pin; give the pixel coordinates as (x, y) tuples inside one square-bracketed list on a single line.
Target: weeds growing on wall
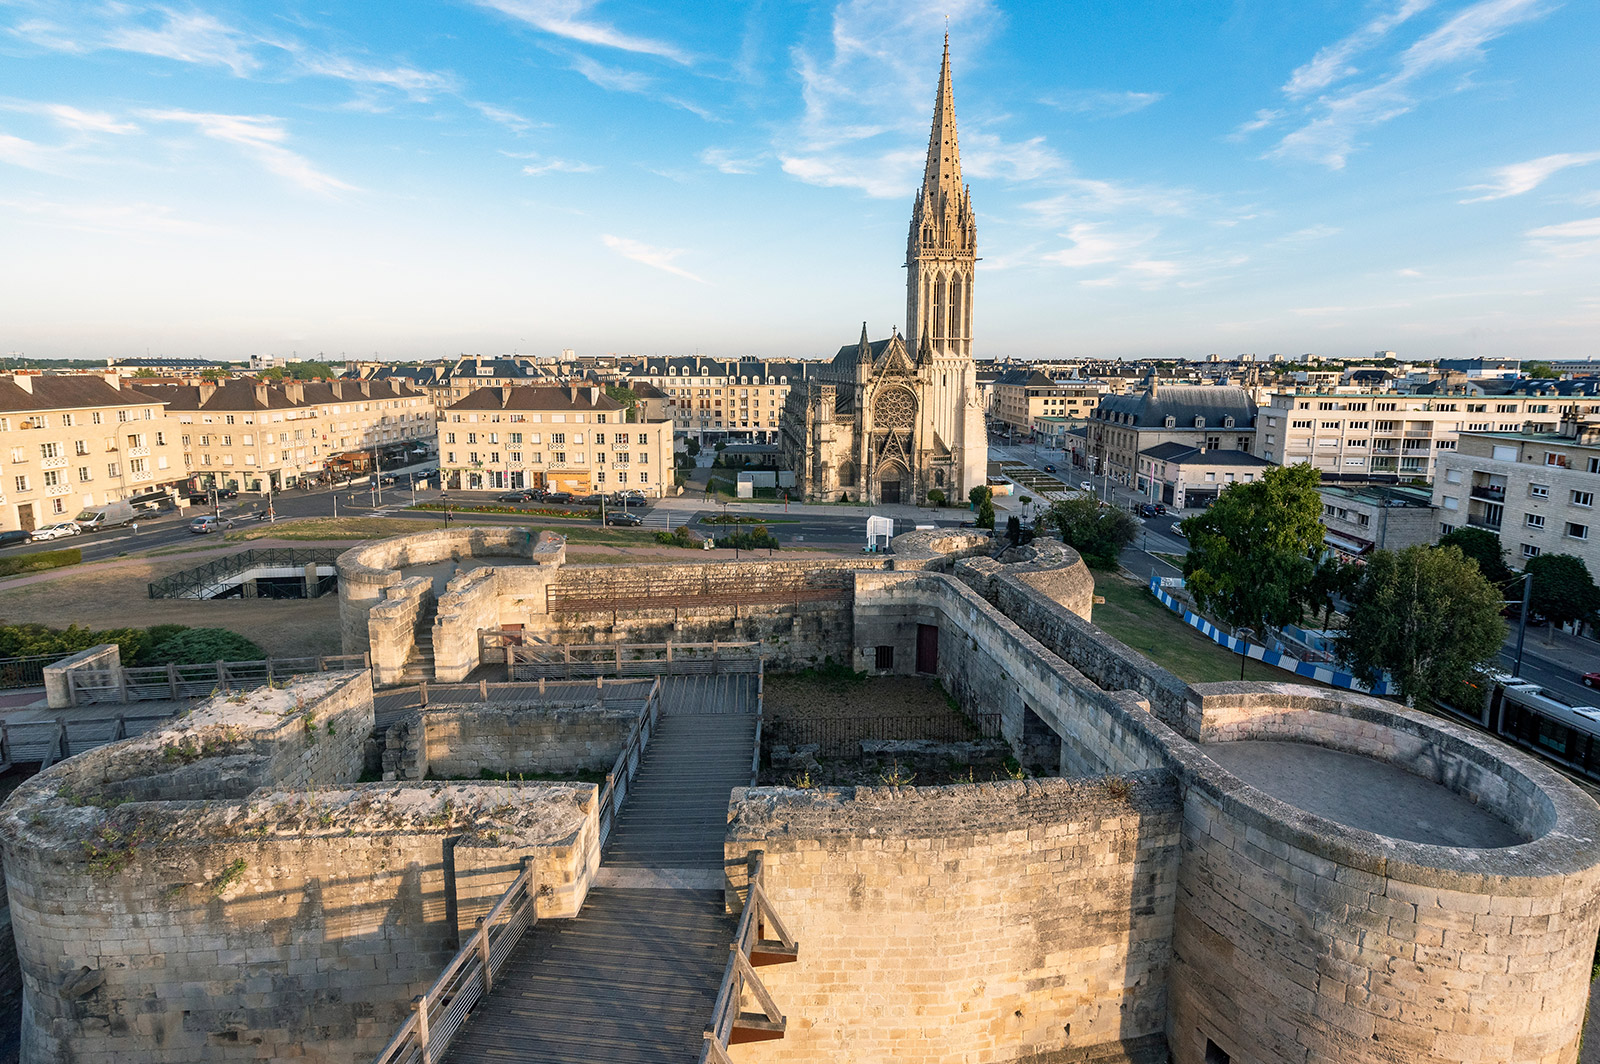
[(228, 877)]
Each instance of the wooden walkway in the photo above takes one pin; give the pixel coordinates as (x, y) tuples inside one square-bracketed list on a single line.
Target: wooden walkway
[(633, 979)]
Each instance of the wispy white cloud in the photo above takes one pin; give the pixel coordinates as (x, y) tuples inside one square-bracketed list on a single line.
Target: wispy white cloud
[(1337, 119), (505, 117), (1518, 178), (567, 19), (1333, 64), (421, 85), (889, 175), (30, 155), (541, 167), (1567, 240), (70, 117), (729, 161), (614, 79), (1095, 244), (263, 138), (189, 37), (648, 255), (1102, 103), (1263, 118)]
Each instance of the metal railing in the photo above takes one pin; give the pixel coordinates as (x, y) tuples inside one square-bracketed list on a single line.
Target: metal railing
[(751, 949), (208, 579), (438, 1014), (618, 780), (28, 670), (577, 661), (122, 684)]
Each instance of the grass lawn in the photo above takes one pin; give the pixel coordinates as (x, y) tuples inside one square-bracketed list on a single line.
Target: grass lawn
[(328, 528), (1131, 614)]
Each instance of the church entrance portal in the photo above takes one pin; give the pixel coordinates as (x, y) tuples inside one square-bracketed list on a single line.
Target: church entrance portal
[(889, 491)]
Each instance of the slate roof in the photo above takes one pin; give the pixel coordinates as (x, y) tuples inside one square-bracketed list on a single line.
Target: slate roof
[(533, 397), (1522, 386), (700, 366), (1182, 453), (1184, 402), (78, 391), (236, 394), (1025, 378)]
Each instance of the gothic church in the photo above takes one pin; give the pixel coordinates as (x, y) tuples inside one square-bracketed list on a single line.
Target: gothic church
[(890, 420)]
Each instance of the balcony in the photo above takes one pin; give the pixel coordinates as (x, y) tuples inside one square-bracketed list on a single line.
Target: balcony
[(1488, 492), (139, 452), (1491, 523), (56, 489), (53, 463)]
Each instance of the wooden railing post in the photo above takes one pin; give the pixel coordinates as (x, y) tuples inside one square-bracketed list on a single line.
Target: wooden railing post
[(5, 742), (483, 690), (483, 954), (121, 731), (172, 680), (423, 689), (420, 1003), (122, 684)]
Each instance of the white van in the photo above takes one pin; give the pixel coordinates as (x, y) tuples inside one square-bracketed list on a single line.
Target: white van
[(111, 515)]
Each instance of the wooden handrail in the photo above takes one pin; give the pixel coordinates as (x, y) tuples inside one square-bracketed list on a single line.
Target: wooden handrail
[(629, 760), (749, 950)]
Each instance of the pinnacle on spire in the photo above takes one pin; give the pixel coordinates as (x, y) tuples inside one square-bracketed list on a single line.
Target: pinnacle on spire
[(943, 170)]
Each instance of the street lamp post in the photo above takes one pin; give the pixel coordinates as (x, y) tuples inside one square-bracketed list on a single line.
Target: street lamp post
[(1242, 635)]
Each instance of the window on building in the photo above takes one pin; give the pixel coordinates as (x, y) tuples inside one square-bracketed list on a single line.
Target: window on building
[(1576, 531), (1583, 498), (1539, 491), (1529, 550), (1533, 520), (1445, 530)]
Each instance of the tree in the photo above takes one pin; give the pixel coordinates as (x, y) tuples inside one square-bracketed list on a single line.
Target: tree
[(980, 495), (986, 515), (626, 396), (214, 373), (1252, 555), (1482, 546), (1427, 617), (1540, 371), (1097, 532), (311, 371), (1333, 580), (691, 447), (1562, 591), (145, 371), (935, 497)]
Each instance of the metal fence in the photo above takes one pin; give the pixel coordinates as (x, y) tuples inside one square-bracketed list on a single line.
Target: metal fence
[(27, 671), (214, 577), (843, 736)]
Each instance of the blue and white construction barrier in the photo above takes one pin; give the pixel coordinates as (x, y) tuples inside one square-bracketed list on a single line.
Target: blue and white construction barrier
[(1320, 673)]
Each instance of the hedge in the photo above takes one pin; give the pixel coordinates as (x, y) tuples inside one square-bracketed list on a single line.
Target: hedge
[(40, 561)]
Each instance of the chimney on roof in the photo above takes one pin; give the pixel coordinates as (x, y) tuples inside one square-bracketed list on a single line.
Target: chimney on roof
[(594, 392), (505, 395), (261, 394), (23, 381), (366, 389), (115, 380), (207, 390), (294, 391)]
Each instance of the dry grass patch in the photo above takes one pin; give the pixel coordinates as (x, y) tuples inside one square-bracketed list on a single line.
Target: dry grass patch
[(115, 596)]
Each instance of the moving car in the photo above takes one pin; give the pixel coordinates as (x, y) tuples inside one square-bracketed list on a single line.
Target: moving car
[(1086, 485), (1048, 468), (57, 531), (202, 525), (623, 517), (628, 500), (1591, 679), (16, 535), (1151, 509)]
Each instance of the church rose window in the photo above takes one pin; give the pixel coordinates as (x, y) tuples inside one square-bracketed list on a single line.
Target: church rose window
[(894, 409)]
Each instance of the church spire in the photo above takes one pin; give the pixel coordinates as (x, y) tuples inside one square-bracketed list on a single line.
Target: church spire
[(943, 170)]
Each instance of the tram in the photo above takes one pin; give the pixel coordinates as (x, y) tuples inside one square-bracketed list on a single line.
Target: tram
[(1523, 715)]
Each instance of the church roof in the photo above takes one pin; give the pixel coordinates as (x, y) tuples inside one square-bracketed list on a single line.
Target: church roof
[(1183, 403)]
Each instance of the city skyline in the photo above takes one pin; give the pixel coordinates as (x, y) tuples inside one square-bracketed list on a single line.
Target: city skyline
[(532, 175)]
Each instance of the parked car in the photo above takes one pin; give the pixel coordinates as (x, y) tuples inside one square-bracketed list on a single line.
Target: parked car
[(16, 535), (60, 530), (208, 523), (515, 496), (594, 498), (111, 515), (1086, 485), (558, 496), (623, 517)]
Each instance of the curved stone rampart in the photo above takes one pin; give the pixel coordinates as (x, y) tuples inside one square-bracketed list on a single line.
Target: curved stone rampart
[(366, 571), (222, 889), (938, 548)]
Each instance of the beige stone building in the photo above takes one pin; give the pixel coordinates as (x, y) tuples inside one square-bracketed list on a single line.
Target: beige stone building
[(1186, 477), (890, 420), (1024, 399), (68, 443), (254, 436), (710, 399), (571, 438), (1358, 435), (1535, 490), (1209, 416), (1357, 519)]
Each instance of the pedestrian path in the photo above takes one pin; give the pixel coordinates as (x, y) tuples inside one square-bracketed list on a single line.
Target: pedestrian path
[(633, 978)]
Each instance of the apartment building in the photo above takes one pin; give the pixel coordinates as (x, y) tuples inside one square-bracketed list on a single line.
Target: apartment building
[(1381, 436), (1536, 490), (1216, 417), (561, 438), (1187, 477), (738, 400), (68, 443), (1357, 519), (255, 436), (1021, 399)]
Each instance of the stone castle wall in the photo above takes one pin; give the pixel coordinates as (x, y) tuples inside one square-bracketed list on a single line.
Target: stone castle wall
[(392, 626), (460, 742), (221, 890), (1004, 922)]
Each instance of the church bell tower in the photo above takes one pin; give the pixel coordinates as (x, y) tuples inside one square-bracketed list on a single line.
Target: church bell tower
[(941, 258)]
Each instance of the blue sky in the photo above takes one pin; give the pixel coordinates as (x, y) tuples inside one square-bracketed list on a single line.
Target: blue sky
[(1151, 178)]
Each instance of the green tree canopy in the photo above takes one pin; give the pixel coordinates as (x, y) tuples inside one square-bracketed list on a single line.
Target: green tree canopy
[(1252, 555), (1483, 547), (145, 371), (1333, 580), (310, 371), (1540, 371), (1563, 591), (1427, 617), (1097, 532)]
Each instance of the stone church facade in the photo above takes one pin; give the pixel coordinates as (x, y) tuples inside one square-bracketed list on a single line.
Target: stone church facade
[(890, 420)]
